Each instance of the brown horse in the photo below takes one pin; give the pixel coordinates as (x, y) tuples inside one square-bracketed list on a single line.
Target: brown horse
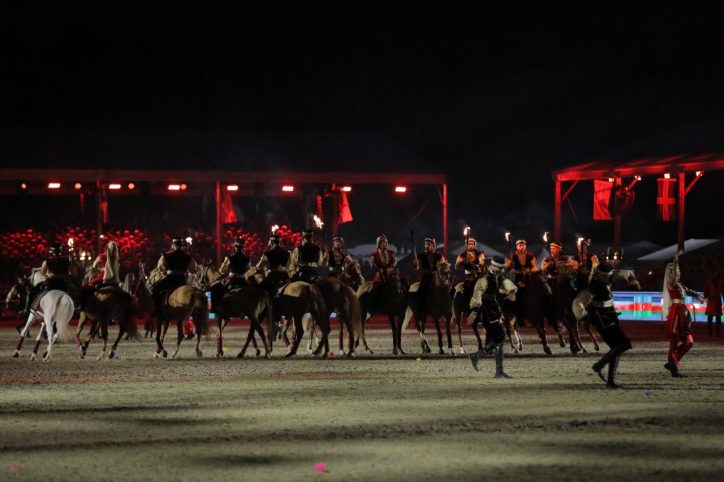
[(183, 302), (294, 301), (341, 298), (107, 304), (248, 301), (437, 304), (388, 297)]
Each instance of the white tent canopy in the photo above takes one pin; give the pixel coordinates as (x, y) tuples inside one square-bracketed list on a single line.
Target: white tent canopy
[(668, 253)]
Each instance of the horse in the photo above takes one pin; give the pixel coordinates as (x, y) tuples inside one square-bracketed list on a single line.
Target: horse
[(250, 301), (562, 296), (538, 307), (387, 296), (339, 297), (437, 303), (352, 275), (182, 303), (107, 304), (54, 311)]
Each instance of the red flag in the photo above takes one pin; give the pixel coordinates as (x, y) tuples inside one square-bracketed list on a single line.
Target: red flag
[(601, 200), (665, 199), (344, 213), (228, 215)]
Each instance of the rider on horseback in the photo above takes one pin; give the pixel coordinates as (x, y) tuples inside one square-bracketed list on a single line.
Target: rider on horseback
[(584, 263), (176, 263), (339, 260), (108, 265), (383, 261), (235, 266), (472, 261), (555, 263), (273, 264), (486, 304), (57, 269), (306, 259), (522, 263), (427, 263)]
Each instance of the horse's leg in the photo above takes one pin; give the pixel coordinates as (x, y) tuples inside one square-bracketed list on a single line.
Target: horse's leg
[(197, 348), (159, 340), (350, 334), (267, 344), (596, 346), (393, 326), (179, 335), (89, 337), (436, 321), (540, 328), (362, 335), (23, 333), (104, 336), (121, 331), (287, 324), (299, 328), (398, 320), (38, 339), (49, 323), (557, 325), (81, 323), (457, 317), (220, 336), (449, 335)]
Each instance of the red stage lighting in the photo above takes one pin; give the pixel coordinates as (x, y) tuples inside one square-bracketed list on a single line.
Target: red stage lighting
[(183, 187), (78, 185), (400, 189), (346, 188), (131, 186), (232, 187), (53, 185), (174, 187), (114, 186), (667, 176), (288, 188)]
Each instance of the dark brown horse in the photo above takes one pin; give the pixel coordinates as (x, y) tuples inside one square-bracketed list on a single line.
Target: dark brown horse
[(248, 301), (297, 299), (387, 297), (107, 304), (436, 304)]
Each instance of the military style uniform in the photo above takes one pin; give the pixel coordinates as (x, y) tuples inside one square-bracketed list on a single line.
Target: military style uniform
[(273, 264), (306, 259), (471, 261), (175, 263)]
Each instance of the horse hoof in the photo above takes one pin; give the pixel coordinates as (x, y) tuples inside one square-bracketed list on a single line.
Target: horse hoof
[(199, 354), (258, 353), (240, 355), (156, 356), (547, 350), (111, 355), (563, 344), (441, 351), (101, 356), (33, 357), (164, 353), (583, 350), (219, 354), (77, 341), (16, 354)]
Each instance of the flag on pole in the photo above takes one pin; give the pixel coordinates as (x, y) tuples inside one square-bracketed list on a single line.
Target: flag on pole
[(601, 200), (665, 199), (344, 213), (228, 215)]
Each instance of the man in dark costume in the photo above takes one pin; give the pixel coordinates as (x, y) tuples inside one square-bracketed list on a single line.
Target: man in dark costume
[(584, 263), (340, 261), (306, 259), (176, 263), (553, 264), (471, 261), (274, 264), (233, 269), (426, 262), (485, 304), (56, 268)]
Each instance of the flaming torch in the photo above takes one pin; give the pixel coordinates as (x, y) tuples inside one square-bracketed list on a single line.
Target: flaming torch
[(274, 229), (318, 223), (71, 244)]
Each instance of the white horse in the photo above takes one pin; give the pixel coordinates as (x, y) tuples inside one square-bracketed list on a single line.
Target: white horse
[(54, 311)]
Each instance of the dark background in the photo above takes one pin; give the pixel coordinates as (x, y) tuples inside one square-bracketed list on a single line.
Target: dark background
[(497, 97)]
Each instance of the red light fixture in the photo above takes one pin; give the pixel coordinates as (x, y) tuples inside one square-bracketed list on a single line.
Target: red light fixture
[(23, 186), (53, 185), (667, 176), (131, 186), (400, 189), (232, 187), (174, 187), (288, 188), (115, 186), (183, 187), (77, 186), (346, 188)]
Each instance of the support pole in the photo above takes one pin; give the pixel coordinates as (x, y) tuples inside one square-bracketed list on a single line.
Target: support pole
[(99, 216), (680, 205), (557, 223), (444, 220), (218, 224), (617, 220)]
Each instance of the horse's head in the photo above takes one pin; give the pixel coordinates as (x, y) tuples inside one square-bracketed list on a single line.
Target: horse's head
[(36, 276)]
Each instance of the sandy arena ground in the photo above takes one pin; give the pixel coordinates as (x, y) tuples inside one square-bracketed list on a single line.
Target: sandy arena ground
[(367, 418)]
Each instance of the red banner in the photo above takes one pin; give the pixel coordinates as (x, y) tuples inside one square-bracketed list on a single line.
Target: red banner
[(665, 199), (601, 200), (228, 215), (343, 210)]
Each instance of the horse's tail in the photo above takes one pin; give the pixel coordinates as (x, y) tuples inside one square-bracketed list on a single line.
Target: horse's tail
[(62, 314), (355, 311), (200, 314), (127, 314), (318, 310), (407, 318)]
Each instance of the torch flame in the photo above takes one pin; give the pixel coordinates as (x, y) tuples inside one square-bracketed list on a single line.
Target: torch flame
[(189, 240), (274, 228), (579, 241), (466, 230), (507, 235), (318, 221), (70, 242), (545, 236)]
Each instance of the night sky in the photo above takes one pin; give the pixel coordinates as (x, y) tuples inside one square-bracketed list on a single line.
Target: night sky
[(496, 96)]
